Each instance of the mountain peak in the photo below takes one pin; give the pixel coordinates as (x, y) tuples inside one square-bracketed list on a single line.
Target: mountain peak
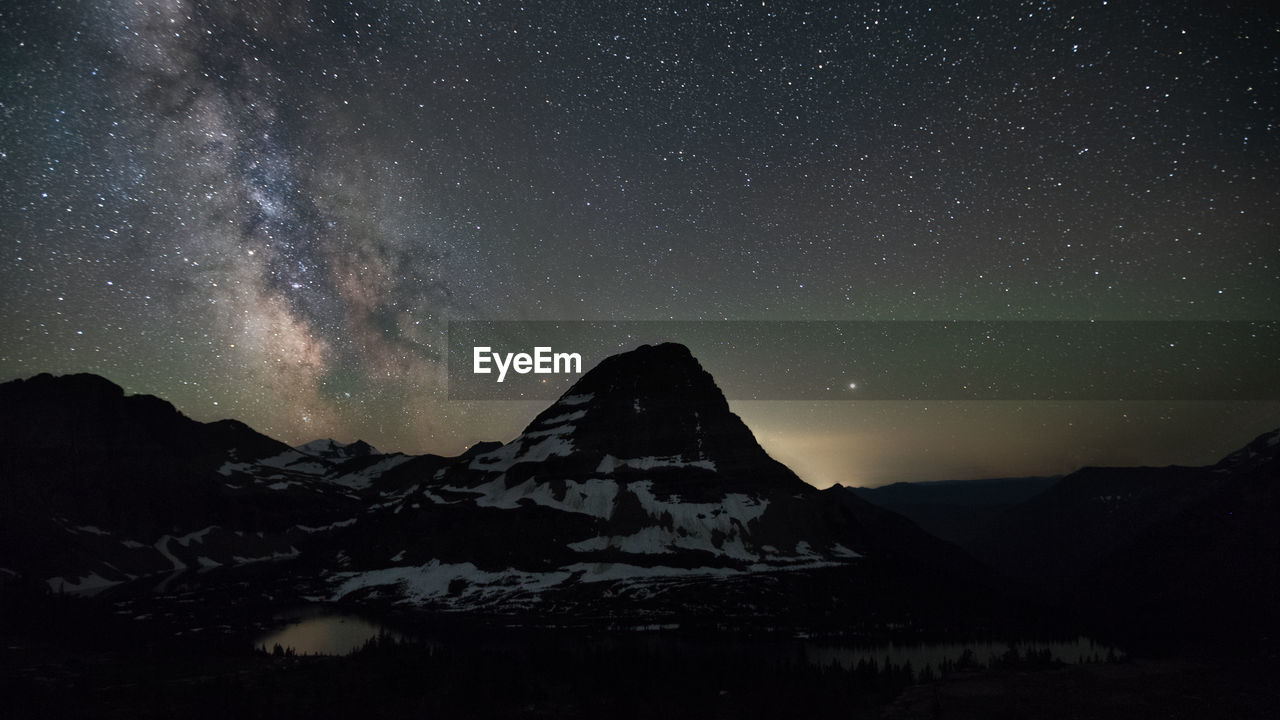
[(652, 407), (645, 402), (79, 384), (649, 371), (1262, 452), (86, 406), (331, 449)]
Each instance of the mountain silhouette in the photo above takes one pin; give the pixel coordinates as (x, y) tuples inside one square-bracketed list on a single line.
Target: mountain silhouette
[(638, 492)]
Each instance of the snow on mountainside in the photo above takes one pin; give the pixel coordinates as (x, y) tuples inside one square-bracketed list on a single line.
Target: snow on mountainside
[(639, 473), (638, 487), (353, 466), (333, 450), (1261, 454)]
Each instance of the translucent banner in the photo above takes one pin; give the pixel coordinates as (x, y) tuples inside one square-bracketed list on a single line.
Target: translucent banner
[(889, 360)]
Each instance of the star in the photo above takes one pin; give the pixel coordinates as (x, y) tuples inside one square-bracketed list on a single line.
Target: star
[(289, 205)]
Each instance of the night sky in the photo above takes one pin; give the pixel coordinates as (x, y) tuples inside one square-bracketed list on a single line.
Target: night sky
[(270, 211)]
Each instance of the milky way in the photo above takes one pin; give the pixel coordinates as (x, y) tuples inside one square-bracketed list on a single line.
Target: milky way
[(270, 211)]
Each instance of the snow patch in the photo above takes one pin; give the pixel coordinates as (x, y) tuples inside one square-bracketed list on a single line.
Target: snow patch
[(162, 545), (576, 399), (722, 529), (230, 467), (701, 521), (436, 498), (465, 585), (647, 541), (562, 419), (89, 584), (330, 526), (361, 479), (609, 463), (841, 551), (197, 536), (591, 497), (432, 581), (323, 446), (293, 553), (530, 447), (656, 540), (295, 461)]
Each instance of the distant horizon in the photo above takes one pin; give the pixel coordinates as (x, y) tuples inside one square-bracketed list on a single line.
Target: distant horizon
[(822, 467)]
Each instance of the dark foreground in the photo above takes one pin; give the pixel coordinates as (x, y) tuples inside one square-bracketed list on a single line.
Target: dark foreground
[(83, 660), (1179, 687), (72, 657), (534, 681), (79, 659), (548, 680)]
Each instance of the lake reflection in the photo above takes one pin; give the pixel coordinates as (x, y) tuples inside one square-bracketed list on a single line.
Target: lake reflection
[(932, 655), (320, 631)]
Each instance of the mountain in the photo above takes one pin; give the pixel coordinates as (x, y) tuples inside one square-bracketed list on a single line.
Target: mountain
[(637, 494), (638, 486), (334, 451), (1259, 457), (955, 510), (1156, 554), (102, 489)]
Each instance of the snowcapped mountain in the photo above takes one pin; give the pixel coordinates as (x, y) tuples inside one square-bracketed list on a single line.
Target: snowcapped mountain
[(353, 466), (646, 447), (334, 451), (638, 496), (638, 479), (638, 492), (1259, 456)]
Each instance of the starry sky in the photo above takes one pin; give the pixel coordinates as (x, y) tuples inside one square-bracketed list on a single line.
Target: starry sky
[(272, 210)]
